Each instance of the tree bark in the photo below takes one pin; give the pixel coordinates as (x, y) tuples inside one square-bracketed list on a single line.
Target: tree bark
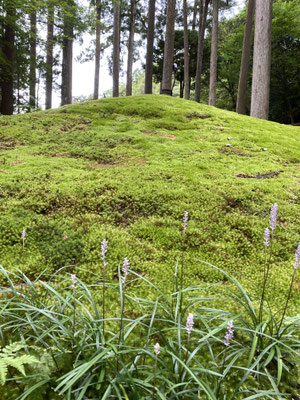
[(214, 55), (97, 50), (116, 48), (8, 48), (201, 31), (150, 40), (186, 53), (66, 87), (261, 60), (32, 62), (169, 49), (195, 12), (130, 47), (244, 70), (49, 56)]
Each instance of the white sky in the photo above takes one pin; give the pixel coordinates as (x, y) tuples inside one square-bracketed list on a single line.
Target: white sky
[(83, 74)]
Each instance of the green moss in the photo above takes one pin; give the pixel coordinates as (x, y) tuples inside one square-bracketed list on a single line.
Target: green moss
[(127, 169)]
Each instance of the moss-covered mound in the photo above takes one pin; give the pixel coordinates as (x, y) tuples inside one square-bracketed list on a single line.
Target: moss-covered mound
[(126, 169)]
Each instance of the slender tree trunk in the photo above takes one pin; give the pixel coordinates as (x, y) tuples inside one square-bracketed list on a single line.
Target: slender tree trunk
[(49, 57), (181, 89), (130, 47), (97, 50), (261, 60), (202, 26), (186, 53), (150, 40), (195, 12), (8, 49), (32, 64), (214, 55), (66, 87), (244, 71), (116, 48), (169, 49)]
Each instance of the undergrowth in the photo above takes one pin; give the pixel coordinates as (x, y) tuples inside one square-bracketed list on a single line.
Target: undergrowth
[(171, 346)]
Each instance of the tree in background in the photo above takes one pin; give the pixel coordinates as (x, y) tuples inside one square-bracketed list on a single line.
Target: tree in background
[(166, 84), (201, 32), (150, 41), (262, 60), (214, 54), (186, 52), (97, 49), (8, 57), (67, 57), (33, 62), (49, 54), (130, 47), (244, 70), (116, 48)]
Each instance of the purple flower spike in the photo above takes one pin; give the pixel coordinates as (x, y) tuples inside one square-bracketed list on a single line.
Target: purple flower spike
[(229, 335), (125, 268), (74, 281), (189, 323), (273, 216), (104, 246), (267, 237), (185, 220), (157, 349), (297, 257)]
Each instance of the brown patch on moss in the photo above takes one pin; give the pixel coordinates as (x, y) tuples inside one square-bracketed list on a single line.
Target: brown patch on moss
[(172, 137), (18, 162), (233, 151), (148, 132), (196, 115), (60, 155), (266, 175)]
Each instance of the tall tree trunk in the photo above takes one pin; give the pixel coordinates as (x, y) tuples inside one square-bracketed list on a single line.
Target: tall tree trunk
[(186, 53), (261, 60), (97, 50), (32, 63), (116, 48), (130, 47), (66, 87), (244, 70), (150, 40), (169, 49), (49, 56), (201, 31), (214, 55), (8, 48), (195, 12)]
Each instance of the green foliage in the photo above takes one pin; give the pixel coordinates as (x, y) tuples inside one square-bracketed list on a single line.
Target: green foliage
[(284, 93), (10, 358)]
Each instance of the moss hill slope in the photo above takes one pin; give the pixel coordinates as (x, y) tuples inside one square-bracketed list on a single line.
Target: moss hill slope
[(126, 169)]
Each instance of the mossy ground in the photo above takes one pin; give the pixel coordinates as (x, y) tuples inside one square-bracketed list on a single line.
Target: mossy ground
[(126, 169)]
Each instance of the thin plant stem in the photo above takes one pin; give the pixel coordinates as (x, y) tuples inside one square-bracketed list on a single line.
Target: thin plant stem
[(287, 300), (103, 302), (262, 299), (266, 275)]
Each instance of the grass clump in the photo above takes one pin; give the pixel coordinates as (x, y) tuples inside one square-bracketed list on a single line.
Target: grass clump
[(173, 346)]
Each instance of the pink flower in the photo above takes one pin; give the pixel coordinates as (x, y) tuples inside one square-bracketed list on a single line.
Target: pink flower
[(229, 334), (297, 257), (125, 268), (156, 349), (74, 281), (189, 323)]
